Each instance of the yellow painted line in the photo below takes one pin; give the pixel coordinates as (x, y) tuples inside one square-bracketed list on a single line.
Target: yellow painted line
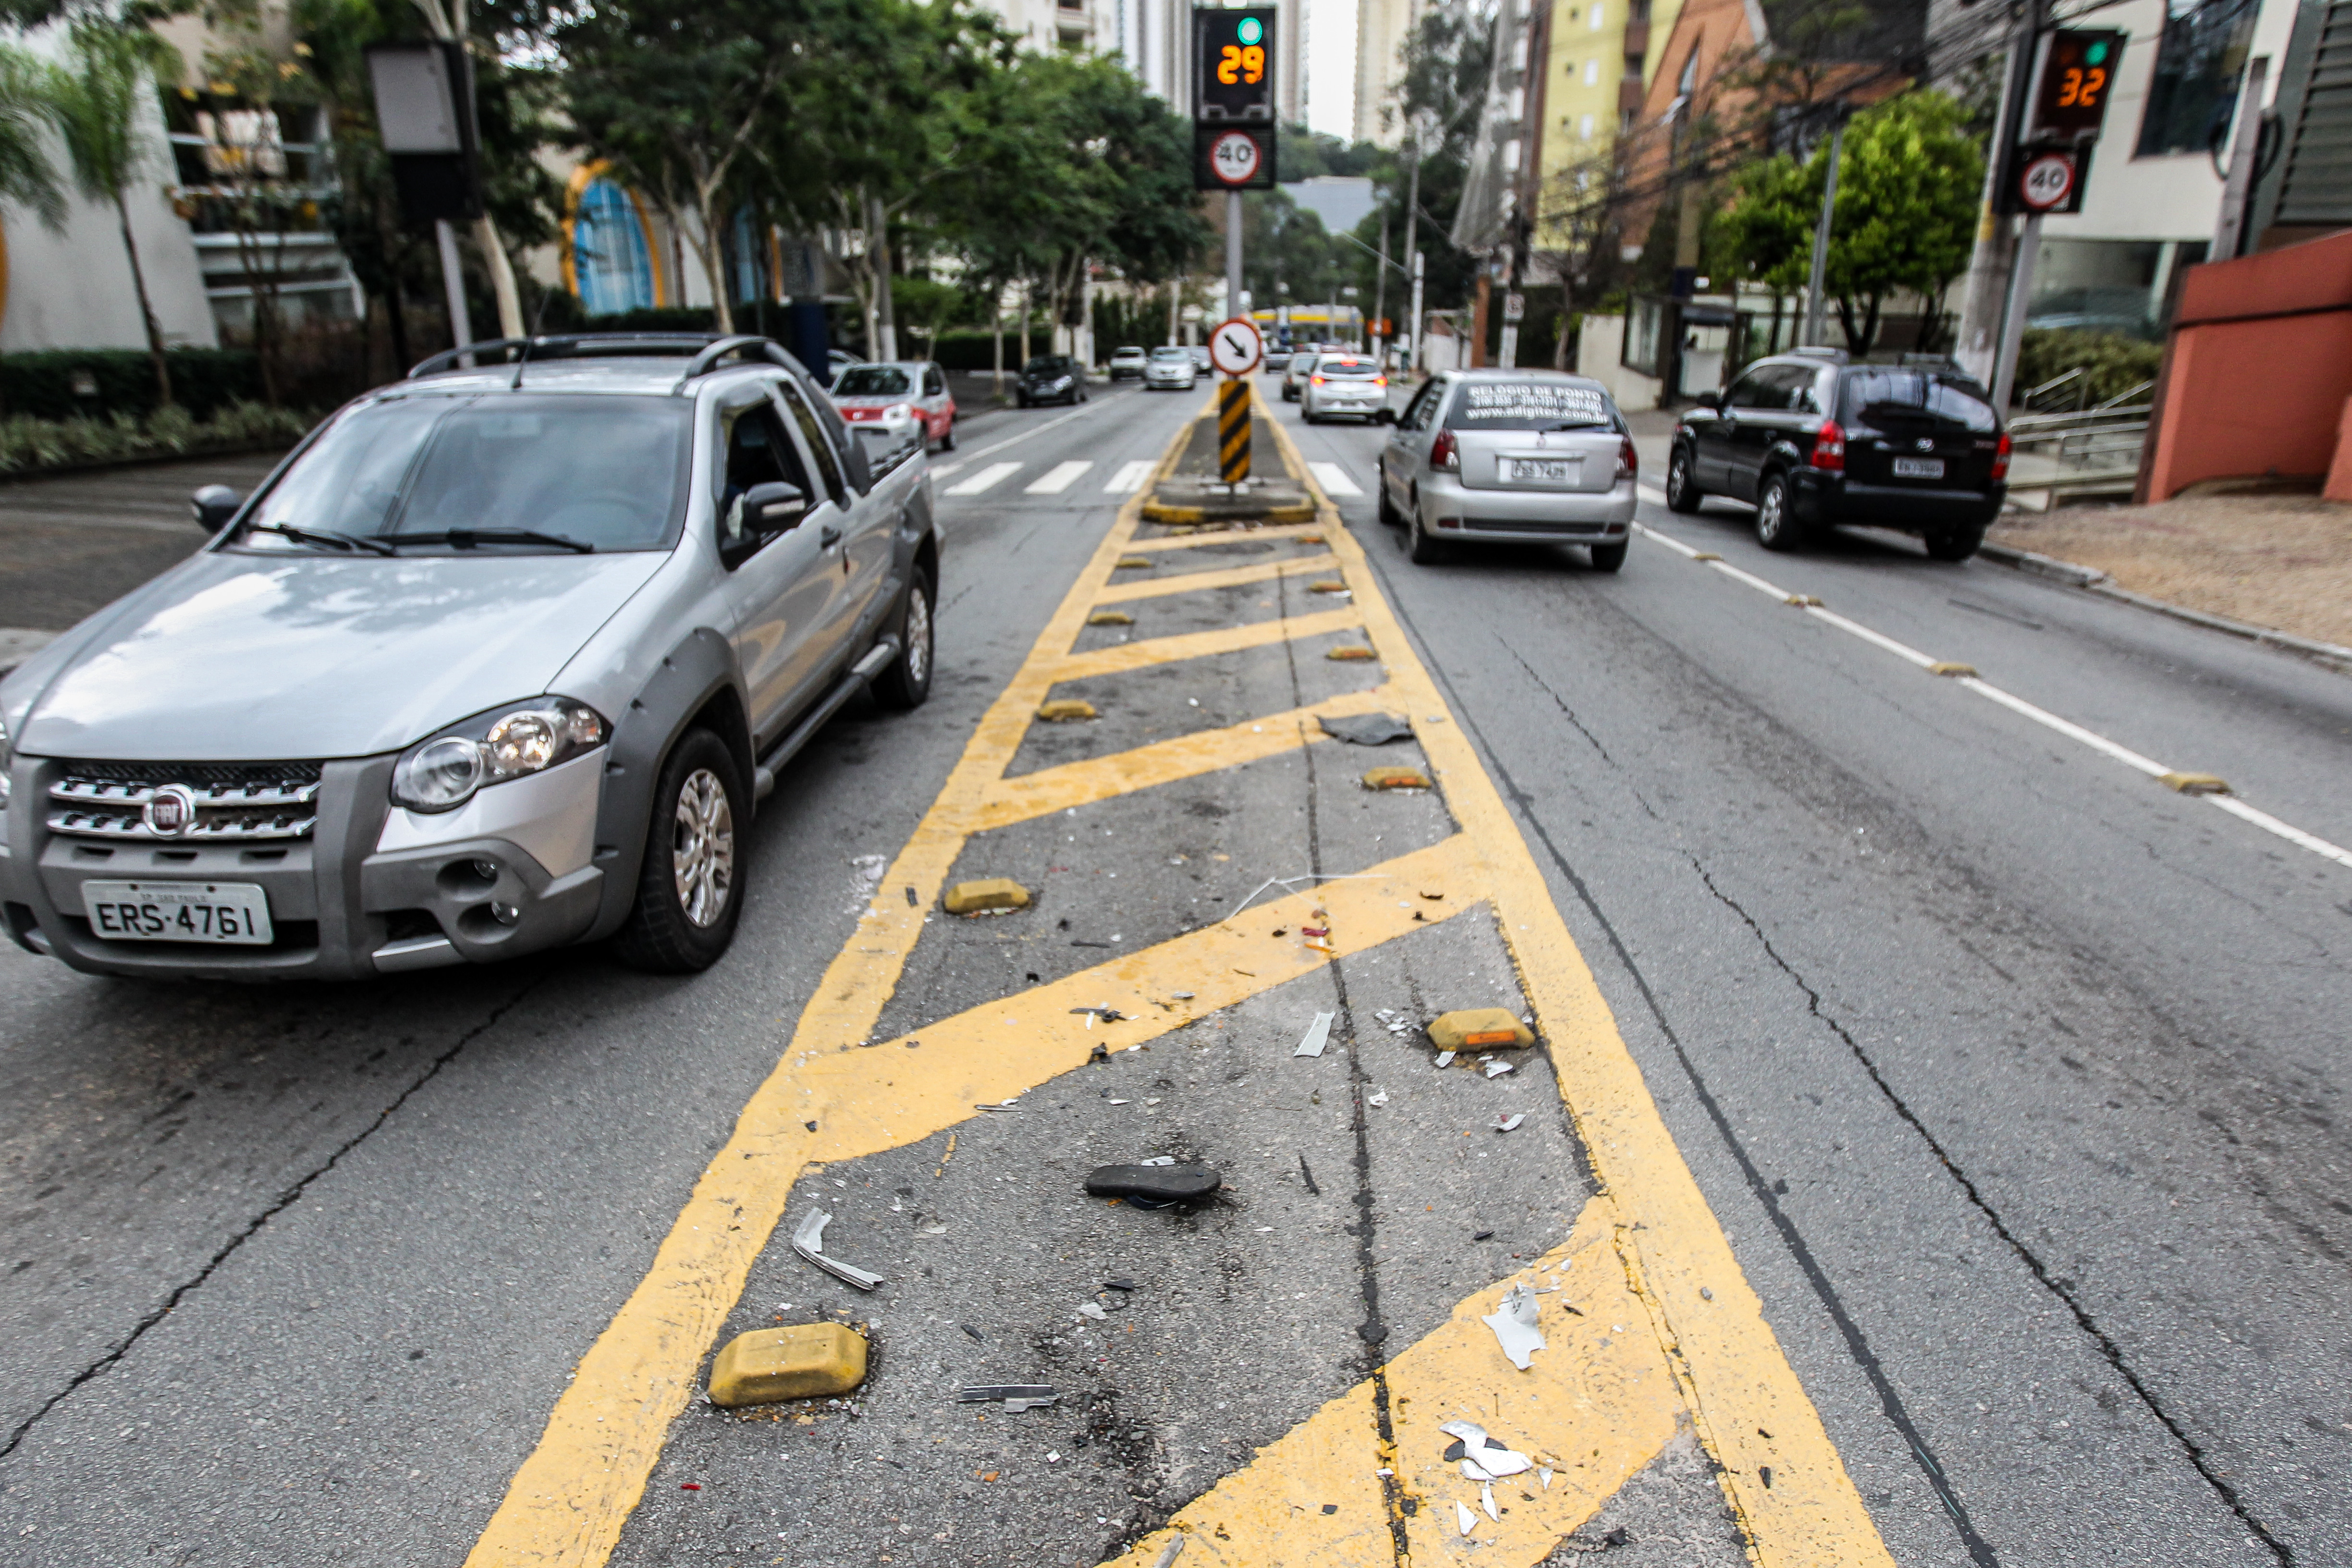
[(1048, 790), (1226, 536), (1594, 1406), (1739, 1381), (881, 1097), (1230, 577), (1201, 645)]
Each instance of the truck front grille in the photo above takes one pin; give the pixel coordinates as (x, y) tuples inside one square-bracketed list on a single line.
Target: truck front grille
[(227, 802)]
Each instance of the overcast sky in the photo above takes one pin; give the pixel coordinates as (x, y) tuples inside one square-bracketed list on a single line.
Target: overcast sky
[(1331, 65)]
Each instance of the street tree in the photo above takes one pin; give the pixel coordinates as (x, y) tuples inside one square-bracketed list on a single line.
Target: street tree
[(26, 178), (102, 100), (1907, 209)]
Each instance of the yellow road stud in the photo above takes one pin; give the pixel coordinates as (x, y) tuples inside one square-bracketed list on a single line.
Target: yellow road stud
[(990, 893), (1351, 654), (2194, 784), (1146, 561), (1310, 539), (1110, 618), (1945, 666), (1061, 709), (1474, 1026), (1705, 555), (1801, 600), (1396, 778), (805, 1361), (1327, 585)]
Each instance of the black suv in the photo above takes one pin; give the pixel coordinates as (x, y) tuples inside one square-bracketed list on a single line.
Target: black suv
[(1051, 378), (1812, 440)]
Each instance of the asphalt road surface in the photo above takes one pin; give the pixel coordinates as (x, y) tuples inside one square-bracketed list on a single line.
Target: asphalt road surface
[(2009, 1078)]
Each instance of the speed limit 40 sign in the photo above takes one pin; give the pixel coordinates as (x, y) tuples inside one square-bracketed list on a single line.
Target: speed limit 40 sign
[(1233, 158), (2048, 180)]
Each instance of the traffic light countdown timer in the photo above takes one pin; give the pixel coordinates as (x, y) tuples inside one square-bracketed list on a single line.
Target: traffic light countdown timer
[(1232, 97), (2062, 123)]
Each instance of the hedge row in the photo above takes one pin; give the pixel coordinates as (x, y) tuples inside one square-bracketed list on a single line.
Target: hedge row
[(96, 384), (29, 445), (2111, 364)]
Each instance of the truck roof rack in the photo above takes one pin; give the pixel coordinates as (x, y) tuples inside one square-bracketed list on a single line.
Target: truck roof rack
[(1815, 351), (565, 345)]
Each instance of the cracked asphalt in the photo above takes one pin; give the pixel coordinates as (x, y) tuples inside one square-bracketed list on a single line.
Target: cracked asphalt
[(2014, 1079)]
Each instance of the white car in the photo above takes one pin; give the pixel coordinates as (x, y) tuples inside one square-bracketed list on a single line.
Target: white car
[(1171, 368), (1126, 362), (1349, 385), (894, 400)]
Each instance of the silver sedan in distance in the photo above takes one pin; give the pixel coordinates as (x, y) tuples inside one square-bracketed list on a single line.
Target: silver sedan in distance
[(1509, 457), (1172, 369), (1343, 385)]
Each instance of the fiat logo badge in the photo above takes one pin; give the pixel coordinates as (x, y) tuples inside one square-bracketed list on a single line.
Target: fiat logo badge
[(171, 811)]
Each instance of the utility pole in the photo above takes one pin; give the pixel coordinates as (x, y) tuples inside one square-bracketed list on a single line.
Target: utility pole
[(461, 324), (1380, 300), (1816, 286), (1233, 306), (1412, 245), (1412, 345), (1977, 344)]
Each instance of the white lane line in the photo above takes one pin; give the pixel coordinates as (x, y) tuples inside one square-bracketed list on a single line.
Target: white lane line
[(1334, 479), (1057, 479), (943, 470), (2020, 705), (1128, 476), (996, 473)]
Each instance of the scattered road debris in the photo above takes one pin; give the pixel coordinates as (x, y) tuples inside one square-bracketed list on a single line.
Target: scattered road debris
[(1510, 1123), (1064, 709), (1181, 995), (1118, 1284), (987, 896), (1445, 1058), (1170, 1552), (1380, 1099), (1318, 1034), (1473, 1027), (1480, 1452), (1368, 729), (809, 1242), (1349, 653), (1486, 1501), (803, 1361), (1328, 585), (1012, 1395), (1545, 1477), (1108, 1014), (869, 869), (1514, 1324), (1153, 1186), (1396, 778), (1497, 1069), (1093, 1310), (1468, 1520)]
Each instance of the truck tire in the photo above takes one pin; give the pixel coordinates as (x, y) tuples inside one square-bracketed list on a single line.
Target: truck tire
[(909, 679), (689, 893)]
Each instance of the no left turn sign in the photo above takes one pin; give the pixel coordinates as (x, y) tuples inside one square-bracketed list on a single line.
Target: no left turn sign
[(1235, 346), (1234, 157)]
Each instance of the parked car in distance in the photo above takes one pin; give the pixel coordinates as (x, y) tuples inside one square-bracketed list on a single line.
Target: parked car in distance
[(1277, 357), (837, 361), (1172, 369), (1343, 385), (1814, 440), (901, 396), (501, 658), (1200, 352), (1126, 362), (1295, 373), (1509, 457), (1051, 378)]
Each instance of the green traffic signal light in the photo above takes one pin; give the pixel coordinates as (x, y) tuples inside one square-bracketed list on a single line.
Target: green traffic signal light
[(1251, 30), (2096, 54)]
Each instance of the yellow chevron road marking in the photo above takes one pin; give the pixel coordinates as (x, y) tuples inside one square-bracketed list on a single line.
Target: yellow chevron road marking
[(1201, 645), (1224, 536), (1230, 577)]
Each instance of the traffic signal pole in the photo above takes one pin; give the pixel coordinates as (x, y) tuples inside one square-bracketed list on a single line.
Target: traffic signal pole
[(1232, 253)]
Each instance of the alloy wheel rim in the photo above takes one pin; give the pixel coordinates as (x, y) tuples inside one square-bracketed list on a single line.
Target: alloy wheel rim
[(1677, 477), (1767, 513), (702, 847), (917, 652)]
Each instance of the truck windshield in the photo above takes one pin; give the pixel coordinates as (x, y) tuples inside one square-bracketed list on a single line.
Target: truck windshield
[(581, 470)]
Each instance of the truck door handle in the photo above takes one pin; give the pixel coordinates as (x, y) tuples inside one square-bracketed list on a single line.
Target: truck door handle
[(828, 536)]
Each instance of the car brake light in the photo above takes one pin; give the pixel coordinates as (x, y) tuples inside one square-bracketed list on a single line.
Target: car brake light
[(1829, 447), (1316, 379), (1447, 452), (1380, 381), (2000, 457), (1628, 462)]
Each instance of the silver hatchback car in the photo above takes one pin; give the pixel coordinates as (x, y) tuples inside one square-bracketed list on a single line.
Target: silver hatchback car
[(502, 658), (1343, 385), (1510, 457), (1173, 368)]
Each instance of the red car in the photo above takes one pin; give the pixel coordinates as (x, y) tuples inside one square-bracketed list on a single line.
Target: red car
[(890, 392)]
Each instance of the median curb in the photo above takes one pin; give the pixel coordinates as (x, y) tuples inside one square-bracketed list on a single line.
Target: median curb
[(2326, 655)]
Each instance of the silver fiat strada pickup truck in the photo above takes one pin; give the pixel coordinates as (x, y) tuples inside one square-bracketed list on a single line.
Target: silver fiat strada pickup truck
[(499, 658)]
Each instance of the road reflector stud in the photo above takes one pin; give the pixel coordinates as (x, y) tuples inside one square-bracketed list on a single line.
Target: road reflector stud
[(1310, 539), (1063, 709), (2194, 784), (1396, 778), (1705, 555), (1351, 654), (1803, 600), (1128, 561), (805, 1361), (1478, 1027), (1327, 585), (1946, 667), (990, 893), (1110, 618)]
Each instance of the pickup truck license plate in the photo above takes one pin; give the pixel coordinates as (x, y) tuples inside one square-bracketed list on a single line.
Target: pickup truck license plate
[(1919, 468), (178, 911), (1547, 472)]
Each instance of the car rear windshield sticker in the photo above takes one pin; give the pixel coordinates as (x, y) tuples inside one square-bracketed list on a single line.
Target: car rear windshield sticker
[(1522, 404)]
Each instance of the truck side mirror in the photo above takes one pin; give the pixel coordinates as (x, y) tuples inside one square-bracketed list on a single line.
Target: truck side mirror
[(213, 506), (773, 506)]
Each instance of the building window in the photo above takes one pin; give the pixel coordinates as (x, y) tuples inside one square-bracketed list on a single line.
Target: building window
[(1584, 129), (1592, 73), (2193, 93), (612, 256), (1596, 18)]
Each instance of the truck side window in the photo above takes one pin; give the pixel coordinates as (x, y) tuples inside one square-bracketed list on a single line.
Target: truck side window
[(754, 451), (820, 446)]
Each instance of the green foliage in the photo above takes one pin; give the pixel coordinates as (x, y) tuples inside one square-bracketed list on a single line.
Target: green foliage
[(1300, 153), (2111, 364), (204, 381), (29, 444), (27, 180), (1907, 204)]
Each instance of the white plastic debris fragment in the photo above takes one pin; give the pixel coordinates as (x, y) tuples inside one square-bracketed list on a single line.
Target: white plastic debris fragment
[(1469, 1521), (1092, 1310), (1474, 1471), (1514, 1324), (1317, 1033), (1497, 1069), (1445, 1058), (1182, 996), (1158, 1160), (809, 1242), (935, 1230), (1545, 1477), (1486, 1501), (1510, 1123), (1170, 1552), (1380, 1099), (1480, 1452)]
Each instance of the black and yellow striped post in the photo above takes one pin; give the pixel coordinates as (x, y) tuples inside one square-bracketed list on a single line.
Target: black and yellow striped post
[(1233, 430)]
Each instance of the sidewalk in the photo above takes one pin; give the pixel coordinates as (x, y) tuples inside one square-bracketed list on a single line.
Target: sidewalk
[(2283, 561)]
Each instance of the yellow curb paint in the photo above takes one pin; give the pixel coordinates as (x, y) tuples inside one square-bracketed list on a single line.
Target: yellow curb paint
[(1201, 645), (1738, 1382), (1594, 1406), (1304, 533), (1195, 581)]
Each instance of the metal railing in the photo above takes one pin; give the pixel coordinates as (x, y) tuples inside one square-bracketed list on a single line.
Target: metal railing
[(2085, 451)]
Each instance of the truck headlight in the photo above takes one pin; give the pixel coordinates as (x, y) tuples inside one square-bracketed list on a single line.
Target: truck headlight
[(444, 772)]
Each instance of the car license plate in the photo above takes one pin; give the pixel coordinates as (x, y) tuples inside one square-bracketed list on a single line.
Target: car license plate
[(1919, 468), (1547, 472), (178, 911)]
